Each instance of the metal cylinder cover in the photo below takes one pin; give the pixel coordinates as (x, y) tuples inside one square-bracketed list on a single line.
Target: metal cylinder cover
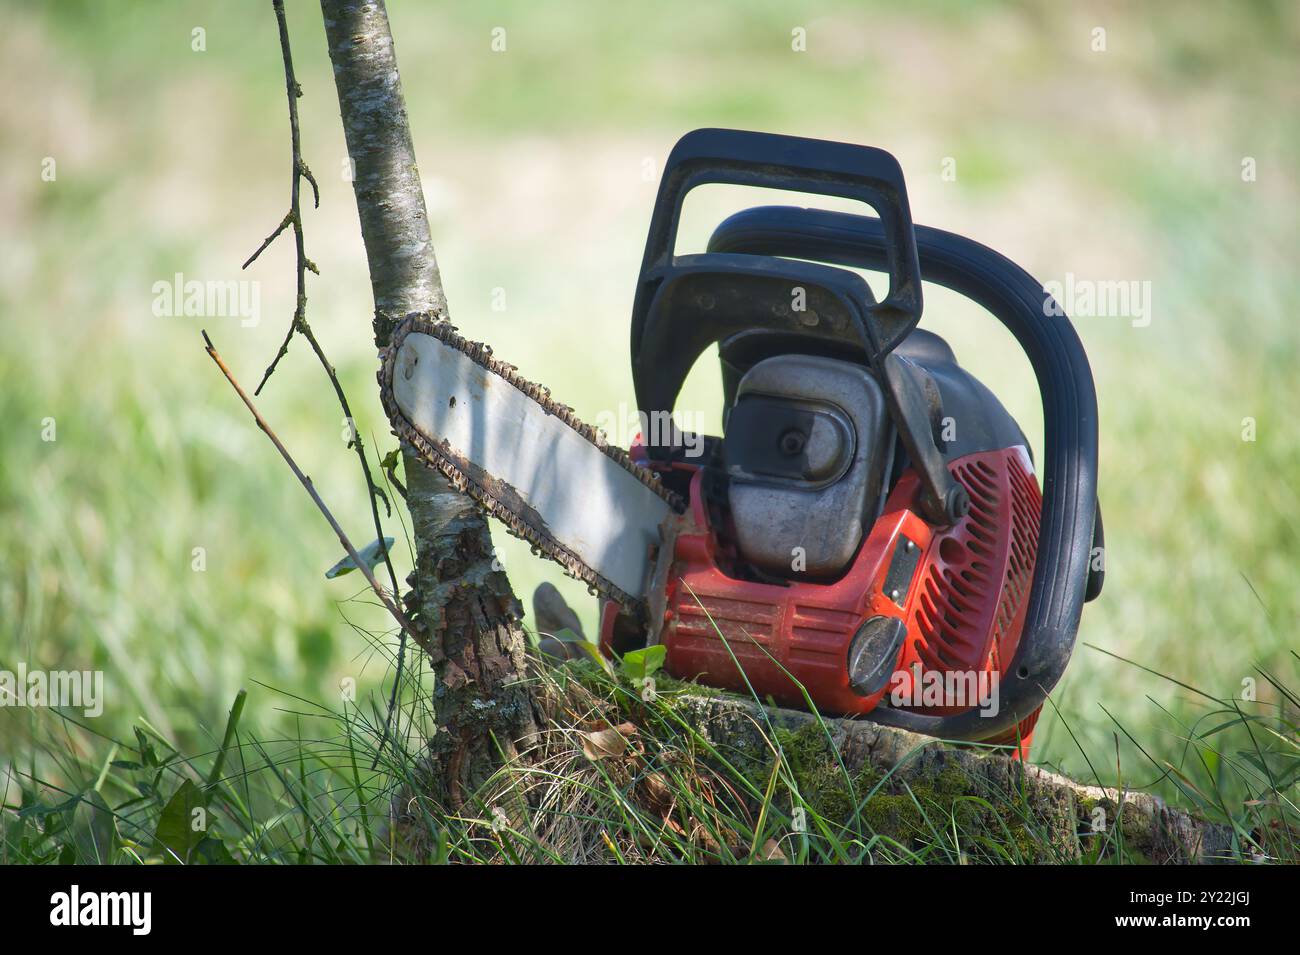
[(806, 448)]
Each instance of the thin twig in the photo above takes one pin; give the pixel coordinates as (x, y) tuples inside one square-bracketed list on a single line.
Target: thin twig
[(388, 601), (298, 171), (284, 224), (300, 326)]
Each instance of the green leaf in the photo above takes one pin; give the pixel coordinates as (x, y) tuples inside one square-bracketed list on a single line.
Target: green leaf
[(145, 748), (1211, 762), (565, 635), (371, 554), (212, 851), (42, 811), (177, 834), (232, 724), (639, 664), (103, 827)]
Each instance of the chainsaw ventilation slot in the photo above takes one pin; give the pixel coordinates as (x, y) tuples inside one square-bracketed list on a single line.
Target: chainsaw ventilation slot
[(969, 609)]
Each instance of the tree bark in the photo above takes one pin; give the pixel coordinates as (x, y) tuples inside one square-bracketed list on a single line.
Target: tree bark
[(461, 601)]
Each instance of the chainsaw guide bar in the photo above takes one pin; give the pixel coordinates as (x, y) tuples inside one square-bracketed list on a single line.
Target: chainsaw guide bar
[(505, 442)]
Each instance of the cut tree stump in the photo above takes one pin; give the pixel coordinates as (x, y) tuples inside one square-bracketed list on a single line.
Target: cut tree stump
[(1063, 811)]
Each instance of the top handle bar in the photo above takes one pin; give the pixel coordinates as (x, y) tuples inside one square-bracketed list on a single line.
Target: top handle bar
[(791, 163)]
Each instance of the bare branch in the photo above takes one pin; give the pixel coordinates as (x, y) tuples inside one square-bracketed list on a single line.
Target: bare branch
[(299, 325), (385, 598)]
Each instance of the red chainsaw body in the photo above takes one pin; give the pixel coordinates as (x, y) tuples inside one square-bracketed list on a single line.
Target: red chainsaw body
[(963, 602)]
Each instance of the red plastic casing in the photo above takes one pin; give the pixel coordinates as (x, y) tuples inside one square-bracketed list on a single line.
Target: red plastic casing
[(963, 607)]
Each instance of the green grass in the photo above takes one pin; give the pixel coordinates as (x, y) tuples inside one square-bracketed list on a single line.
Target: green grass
[(618, 776), (1112, 166)]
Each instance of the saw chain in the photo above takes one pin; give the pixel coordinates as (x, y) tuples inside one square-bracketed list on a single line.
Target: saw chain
[(496, 496)]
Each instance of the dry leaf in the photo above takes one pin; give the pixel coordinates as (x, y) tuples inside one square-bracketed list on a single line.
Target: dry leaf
[(656, 792), (772, 852), (603, 744)]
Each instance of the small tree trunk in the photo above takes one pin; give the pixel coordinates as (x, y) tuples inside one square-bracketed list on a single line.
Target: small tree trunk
[(466, 607)]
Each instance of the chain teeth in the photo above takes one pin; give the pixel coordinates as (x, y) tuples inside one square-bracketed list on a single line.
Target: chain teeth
[(432, 456)]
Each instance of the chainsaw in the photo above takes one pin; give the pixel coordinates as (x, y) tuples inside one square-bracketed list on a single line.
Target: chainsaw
[(868, 534)]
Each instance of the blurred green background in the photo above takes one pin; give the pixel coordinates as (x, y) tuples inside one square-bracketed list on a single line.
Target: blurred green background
[(540, 163)]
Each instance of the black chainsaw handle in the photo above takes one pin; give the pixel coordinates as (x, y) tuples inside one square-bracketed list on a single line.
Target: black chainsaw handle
[(740, 157), (1061, 572)]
